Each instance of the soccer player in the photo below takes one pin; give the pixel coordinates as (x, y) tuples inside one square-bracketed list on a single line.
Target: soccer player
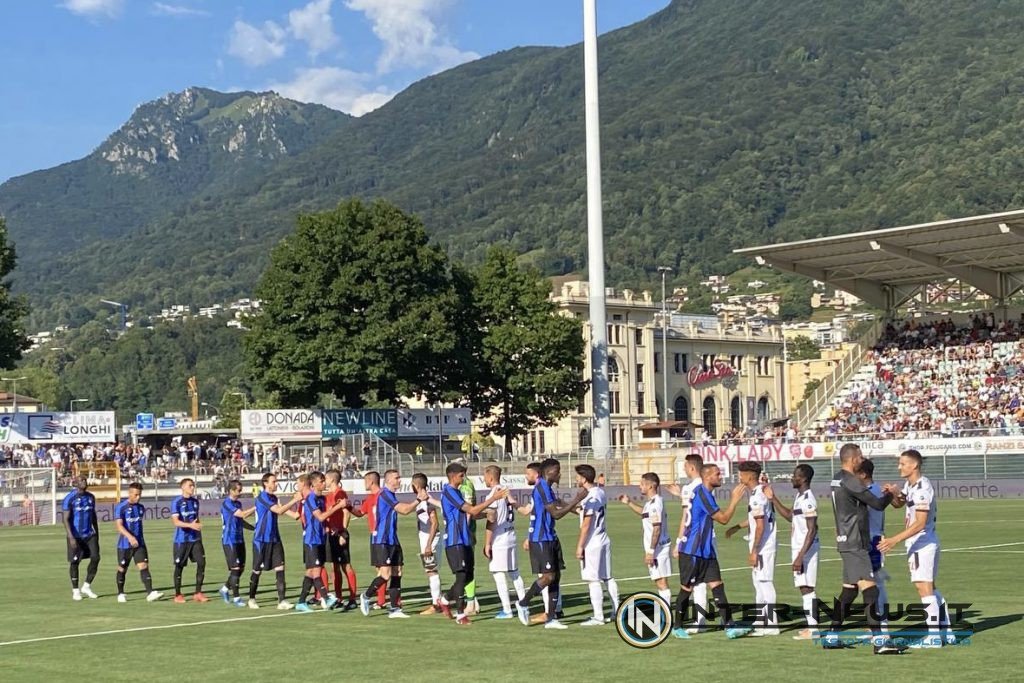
[(233, 540), (267, 548), (83, 532), (698, 557), (426, 528), (339, 552), (314, 542), (131, 544), (699, 596), (850, 503), (468, 491), (762, 542), (458, 541), (368, 509), (500, 546), (654, 522), (922, 543), (545, 548), (188, 540), (876, 529), (532, 473), (386, 549), (594, 548), (804, 544)]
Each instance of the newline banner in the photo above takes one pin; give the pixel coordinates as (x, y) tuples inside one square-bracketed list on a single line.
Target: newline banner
[(382, 422)]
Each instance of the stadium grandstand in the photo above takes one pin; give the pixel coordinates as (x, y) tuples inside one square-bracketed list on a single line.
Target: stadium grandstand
[(931, 368)]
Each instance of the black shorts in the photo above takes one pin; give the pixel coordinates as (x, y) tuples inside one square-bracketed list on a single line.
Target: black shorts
[(460, 558), (386, 555), (314, 556), (267, 556), (546, 557), (856, 566), (84, 549), (697, 570), (191, 551), (125, 556), (338, 552), (235, 555)]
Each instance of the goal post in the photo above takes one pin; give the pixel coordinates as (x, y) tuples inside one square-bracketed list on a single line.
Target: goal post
[(28, 496)]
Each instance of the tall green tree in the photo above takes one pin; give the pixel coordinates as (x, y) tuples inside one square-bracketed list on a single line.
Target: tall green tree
[(13, 309), (530, 370), (357, 303), (803, 347)]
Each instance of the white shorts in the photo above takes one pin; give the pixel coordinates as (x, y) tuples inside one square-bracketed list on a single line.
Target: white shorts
[(504, 559), (924, 562), (765, 568), (808, 578), (662, 567), (597, 563)]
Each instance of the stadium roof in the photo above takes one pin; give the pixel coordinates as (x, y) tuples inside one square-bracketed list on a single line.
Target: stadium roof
[(887, 267)]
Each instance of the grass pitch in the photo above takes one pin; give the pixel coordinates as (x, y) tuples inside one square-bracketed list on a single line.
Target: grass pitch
[(44, 635)]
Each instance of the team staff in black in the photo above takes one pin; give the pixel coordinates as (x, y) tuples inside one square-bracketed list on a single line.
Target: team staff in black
[(850, 503)]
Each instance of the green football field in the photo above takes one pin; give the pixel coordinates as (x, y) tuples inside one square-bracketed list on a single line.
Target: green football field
[(44, 635)]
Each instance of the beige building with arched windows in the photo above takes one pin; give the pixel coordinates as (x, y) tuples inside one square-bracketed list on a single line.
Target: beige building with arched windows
[(719, 377)]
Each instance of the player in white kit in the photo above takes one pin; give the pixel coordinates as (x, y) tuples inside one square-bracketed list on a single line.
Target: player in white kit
[(594, 548), (699, 596), (922, 543), (426, 528), (653, 519), (500, 546), (876, 529), (804, 543), (763, 542)]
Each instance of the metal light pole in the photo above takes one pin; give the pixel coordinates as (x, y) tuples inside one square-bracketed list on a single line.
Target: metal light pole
[(122, 309), (77, 400), (215, 409), (14, 382), (245, 398), (595, 238), (664, 270)]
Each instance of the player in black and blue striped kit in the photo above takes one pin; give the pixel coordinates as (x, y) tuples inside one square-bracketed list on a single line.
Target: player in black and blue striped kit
[(188, 540), (82, 529), (458, 539), (131, 543), (232, 539), (545, 548)]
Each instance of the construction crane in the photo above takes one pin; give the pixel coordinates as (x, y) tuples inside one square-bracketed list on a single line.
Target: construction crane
[(193, 392)]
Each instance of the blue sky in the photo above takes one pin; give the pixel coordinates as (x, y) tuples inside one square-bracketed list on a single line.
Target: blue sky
[(73, 70)]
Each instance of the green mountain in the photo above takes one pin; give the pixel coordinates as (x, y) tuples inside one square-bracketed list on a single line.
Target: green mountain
[(725, 123)]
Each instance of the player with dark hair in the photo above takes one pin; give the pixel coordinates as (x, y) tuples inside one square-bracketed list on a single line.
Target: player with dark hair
[(386, 548), (188, 540), (267, 548), (699, 596), (368, 509), (458, 542), (594, 547), (339, 551), (232, 538), (500, 545), (804, 544), (698, 557), (314, 542), (131, 543), (545, 548), (922, 543), (850, 503), (876, 530), (763, 543), (83, 533), (427, 527)]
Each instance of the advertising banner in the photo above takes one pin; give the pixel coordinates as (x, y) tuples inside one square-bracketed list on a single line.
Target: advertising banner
[(278, 424), (427, 422), (381, 422), (87, 426)]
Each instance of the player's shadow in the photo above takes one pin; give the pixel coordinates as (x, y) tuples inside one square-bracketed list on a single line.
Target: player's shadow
[(989, 623)]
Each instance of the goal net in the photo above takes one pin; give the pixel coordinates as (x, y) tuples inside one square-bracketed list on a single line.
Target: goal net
[(28, 496)]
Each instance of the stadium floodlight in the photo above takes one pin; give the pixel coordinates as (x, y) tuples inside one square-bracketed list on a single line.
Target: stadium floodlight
[(77, 400), (14, 389)]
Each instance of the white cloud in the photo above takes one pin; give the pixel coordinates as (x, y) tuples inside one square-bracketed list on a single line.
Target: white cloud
[(166, 10), (333, 87), (94, 8), (313, 24), (410, 33), (255, 45)]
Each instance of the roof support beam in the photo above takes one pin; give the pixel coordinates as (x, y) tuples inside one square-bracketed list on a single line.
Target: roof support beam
[(879, 296), (985, 279)]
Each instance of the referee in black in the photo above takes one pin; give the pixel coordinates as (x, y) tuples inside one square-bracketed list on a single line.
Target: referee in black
[(850, 503)]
